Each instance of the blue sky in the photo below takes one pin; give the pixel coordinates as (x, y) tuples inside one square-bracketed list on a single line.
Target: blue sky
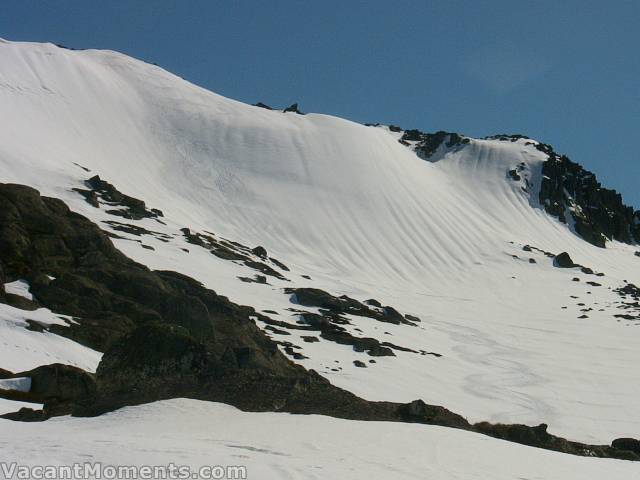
[(566, 73)]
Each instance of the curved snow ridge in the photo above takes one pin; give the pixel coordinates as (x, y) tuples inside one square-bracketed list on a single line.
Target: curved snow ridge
[(196, 433)]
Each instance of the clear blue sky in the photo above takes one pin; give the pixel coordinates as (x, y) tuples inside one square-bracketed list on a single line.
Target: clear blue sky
[(563, 72)]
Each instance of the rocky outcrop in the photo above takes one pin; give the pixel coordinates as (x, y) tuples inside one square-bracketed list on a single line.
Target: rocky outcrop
[(629, 444), (229, 250), (293, 108), (574, 195), (103, 192), (314, 297), (539, 437), (426, 144), (563, 260)]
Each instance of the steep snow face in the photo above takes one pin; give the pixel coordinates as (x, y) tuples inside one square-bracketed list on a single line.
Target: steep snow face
[(349, 197), (359, 213)]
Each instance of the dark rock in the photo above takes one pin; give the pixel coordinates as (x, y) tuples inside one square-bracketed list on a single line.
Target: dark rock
[(137, 230), (59, 382), (598, 213), (264, 268), (262, 105), (419, 411), (313, 297), (359, 364), (276, 331), (631, 444), (504, 137), (18, 301), (260, 252), (256, 279), (563, 260), (26, 415), (428, 143), (3, 280), (131, 208), (279, 264), (226, 250), (534, 436), (293, 108)]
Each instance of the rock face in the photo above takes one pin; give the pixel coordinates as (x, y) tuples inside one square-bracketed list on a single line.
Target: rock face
[(426, 144), (568, 190)]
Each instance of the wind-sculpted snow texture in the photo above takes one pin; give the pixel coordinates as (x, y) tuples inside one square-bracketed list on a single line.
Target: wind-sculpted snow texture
[(452, 231)]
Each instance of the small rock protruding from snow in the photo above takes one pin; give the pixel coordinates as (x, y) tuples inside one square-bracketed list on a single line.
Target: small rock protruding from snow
[(563, 260), (293, 108)]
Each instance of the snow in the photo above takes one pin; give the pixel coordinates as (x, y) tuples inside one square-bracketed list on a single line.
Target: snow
[(360, 214), (19, 287), (22, 349), (9, 406), (282, 446), (20, 384)]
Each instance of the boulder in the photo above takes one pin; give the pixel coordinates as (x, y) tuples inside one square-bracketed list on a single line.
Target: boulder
[(563, 260), (630, 444), (58, 382), (260, 251), (293, 108)]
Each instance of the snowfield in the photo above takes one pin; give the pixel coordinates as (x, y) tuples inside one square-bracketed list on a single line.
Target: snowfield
[(358, 213), (23, 349), (282, 446)]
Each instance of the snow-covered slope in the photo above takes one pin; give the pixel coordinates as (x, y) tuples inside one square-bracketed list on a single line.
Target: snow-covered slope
[(196, 434), (360, 214)]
